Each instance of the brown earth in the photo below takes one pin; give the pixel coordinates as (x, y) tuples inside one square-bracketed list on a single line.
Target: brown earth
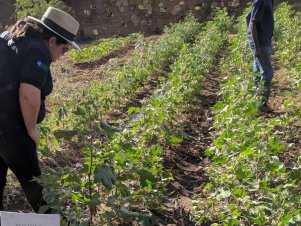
[(186, 161)]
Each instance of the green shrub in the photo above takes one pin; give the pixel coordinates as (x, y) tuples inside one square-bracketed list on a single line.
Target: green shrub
[(36, 8)]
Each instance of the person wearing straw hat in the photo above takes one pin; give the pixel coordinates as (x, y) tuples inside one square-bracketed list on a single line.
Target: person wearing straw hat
[(31, 45)]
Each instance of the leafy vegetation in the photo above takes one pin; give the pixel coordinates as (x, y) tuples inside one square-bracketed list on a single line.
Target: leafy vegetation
[(121, 84), (288, 37), (249, 185), (249, 182), (104, 47), (138, 149), (134, 152), (36, 8), (76, 187)]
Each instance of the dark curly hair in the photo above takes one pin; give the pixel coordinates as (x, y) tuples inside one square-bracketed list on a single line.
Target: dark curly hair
[(30, 28)]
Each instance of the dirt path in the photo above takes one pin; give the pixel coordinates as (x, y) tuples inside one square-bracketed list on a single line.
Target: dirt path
[(186, 161)]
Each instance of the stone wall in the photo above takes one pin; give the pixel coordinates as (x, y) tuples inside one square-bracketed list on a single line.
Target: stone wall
[(101, 18), (6, 12), (104, 18)]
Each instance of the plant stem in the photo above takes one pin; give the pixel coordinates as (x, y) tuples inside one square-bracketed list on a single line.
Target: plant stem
[(90, 186)]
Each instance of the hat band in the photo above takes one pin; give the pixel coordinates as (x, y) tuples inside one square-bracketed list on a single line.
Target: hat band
[(61, 31)]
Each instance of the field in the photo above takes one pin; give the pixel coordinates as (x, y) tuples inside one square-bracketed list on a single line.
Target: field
[(175, 116)]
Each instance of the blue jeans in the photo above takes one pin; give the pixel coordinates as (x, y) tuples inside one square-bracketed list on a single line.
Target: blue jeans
[(263, 80)]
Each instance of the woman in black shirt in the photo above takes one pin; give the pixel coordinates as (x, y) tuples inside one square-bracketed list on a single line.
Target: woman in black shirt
[(32, 46)]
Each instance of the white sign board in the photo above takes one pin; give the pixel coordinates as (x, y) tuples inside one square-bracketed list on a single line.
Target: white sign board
[(29, 219)]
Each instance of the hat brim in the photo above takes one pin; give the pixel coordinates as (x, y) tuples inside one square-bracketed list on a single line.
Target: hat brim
[(41, 22)]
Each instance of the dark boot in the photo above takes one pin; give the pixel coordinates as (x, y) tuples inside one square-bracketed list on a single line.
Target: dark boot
[(266, 109)]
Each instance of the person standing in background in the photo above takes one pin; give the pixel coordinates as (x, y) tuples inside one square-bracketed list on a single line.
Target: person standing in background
[(260, 22)]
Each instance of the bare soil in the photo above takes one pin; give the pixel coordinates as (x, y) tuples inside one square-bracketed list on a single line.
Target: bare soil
[(186, 161)]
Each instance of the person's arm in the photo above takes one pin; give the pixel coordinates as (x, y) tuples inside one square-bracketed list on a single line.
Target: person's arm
[(253, 29), (256, 17), (33, 76), (30, 100), (247, 19)]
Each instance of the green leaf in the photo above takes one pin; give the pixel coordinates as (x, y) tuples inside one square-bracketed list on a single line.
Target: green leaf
[(287, 103), (65, 134), (79, 111), (175, 140), (218, 106), (248, 152), (87, 152), (167, 176), (73, 179), (77, 196), (209, 151), (44, 208), (86, 167), (241, 172), (277, 146), (219, 159), (95, 199), (86, 223), (155, 102), (146, 178), (253, 185), (276, 165), (236, 212), (222, 193), (284, 220), (133, 110), (108, 128), (125, 212), (295, 174), (256, 220)]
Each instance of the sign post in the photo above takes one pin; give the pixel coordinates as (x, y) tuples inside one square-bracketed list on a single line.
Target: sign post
[(29, 219)]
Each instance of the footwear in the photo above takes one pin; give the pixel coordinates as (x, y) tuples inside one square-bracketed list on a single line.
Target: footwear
[(266, 109)]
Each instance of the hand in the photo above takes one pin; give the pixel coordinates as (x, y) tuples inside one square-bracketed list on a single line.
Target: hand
[(105, 175), (258, 52), (35, 136)]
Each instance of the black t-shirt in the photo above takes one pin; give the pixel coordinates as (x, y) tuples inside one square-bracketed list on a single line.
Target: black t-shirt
[(29, 63)]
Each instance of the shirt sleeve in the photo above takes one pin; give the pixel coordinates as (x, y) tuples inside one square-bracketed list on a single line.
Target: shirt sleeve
[(257, 11), (35, 68)]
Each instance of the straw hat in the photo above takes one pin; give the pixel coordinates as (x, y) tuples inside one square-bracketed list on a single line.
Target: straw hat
[(61, 23)]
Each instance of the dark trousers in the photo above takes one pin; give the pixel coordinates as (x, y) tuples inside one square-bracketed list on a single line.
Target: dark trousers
[(263, 65), (18, 152)]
